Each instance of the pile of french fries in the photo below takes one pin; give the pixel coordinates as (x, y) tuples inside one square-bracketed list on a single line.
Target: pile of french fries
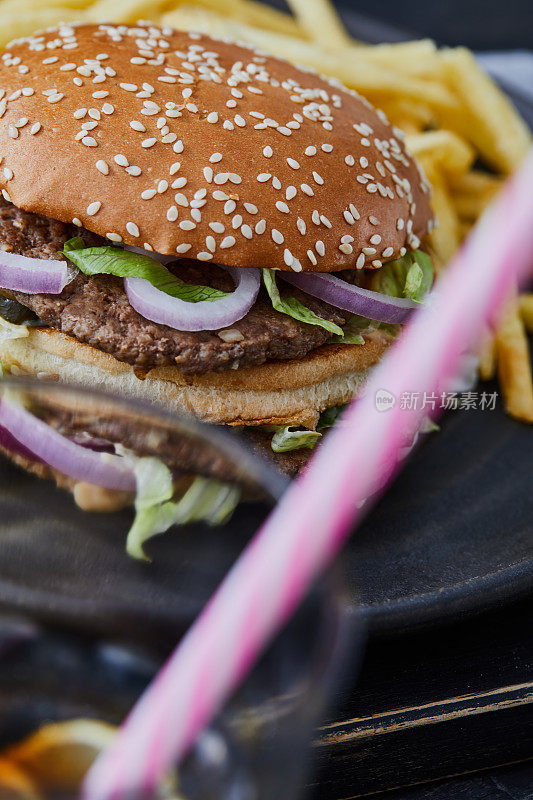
[(458, 123)]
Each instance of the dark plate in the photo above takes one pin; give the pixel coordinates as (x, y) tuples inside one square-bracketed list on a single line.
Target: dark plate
[(452, 536)]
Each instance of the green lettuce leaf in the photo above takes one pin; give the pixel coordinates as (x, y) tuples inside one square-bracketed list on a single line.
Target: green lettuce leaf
[(293, 307), (410, 276), (290, 438), (125, 264), (206, 500)]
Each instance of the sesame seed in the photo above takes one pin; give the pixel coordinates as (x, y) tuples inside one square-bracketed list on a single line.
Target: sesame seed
[(80, 113), (310, 151), (283, 207), (251, 208), (8, 173), (179, 183), (371, 187), (76, 221), (373, 220), (320, 248), (246, 231), (217, 227), (183, 248), (133, 170), (212, 117), (162, 186), (88, 141), (128, 87), (180, 199), (349, 160), (306, 189), (215, 158), (174, 167), (360, 263), (268, 152), (172, 213), (327, 148), (376, 239), (121, 160), (6, 196), (277, 236), (35, 128), (100, 95), (203, 256), (94, 208), (12, 131), (364, 162), (102, 166), (293, 163), (325, 221), (148, 194), (187, 225), (132, 229), (236, 222), (262, 177), (377, 263), (290, 192), (312, 258), (348, 217), (288, 257), (369, 251), (318, 178), (261, 226), (302, 227), (148, 142), (354, 212), (276, 183), (210, 243), (346, 248), (137, 126), (284, 131), (400, 224), (218, 194), (228, 241)]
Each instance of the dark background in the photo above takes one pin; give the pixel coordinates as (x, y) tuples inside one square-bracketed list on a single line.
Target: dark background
[(481, 24)]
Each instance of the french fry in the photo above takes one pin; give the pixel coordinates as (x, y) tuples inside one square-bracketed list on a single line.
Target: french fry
[(445, 149), (446, 236), (418, 58), (525, 304), (321, 22), (488, 118), (487, 357), (514, 365)]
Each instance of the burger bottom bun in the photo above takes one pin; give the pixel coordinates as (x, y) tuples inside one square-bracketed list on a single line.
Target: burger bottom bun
[(278, 393)]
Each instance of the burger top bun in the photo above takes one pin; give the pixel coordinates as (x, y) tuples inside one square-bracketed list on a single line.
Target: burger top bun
[(183, 144)]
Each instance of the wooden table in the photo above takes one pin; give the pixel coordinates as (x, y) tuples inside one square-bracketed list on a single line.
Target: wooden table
[(437, 704)]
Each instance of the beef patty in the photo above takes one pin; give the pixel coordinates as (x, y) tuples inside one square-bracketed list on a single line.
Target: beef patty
[(96, 310)]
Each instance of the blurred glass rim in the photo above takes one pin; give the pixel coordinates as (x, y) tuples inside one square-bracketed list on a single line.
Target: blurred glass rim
[(231, 444)]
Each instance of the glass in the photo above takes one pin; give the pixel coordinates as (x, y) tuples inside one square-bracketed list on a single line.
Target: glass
[(85, 627)]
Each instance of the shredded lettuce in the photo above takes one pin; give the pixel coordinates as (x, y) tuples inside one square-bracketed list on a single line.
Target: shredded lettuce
[(410, 276), (288, 437), (329, 417), (206, 500), (125, 264), (293, 308)]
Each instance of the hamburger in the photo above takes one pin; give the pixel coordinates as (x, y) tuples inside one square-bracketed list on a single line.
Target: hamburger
[(192, 222)]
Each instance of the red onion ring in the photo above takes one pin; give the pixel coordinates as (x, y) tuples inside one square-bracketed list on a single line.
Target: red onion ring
[(81, 463), (160, 307), (33, 275), (341, 294)]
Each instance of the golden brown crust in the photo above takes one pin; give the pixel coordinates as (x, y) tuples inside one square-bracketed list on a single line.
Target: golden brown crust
[(281, 393), (86, 100)]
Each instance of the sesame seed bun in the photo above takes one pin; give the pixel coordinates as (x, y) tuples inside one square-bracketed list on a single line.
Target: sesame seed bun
[(183, 144), (278, 393)]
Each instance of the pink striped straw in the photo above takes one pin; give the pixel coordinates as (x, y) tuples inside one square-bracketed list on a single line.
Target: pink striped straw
[(317, 512)]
